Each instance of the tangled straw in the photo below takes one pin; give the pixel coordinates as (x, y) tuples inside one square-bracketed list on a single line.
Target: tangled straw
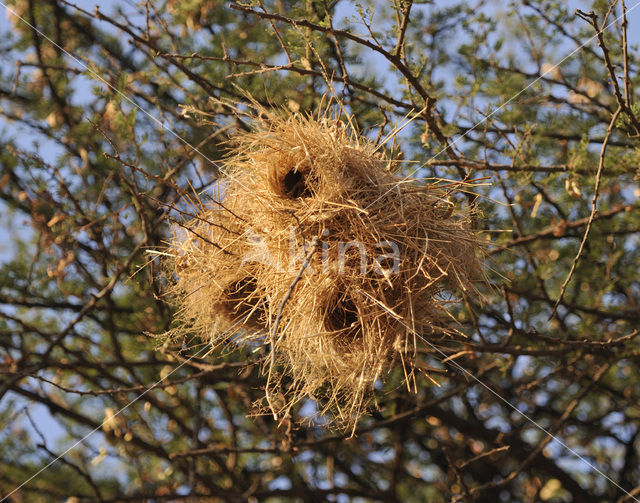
[(315, 247)]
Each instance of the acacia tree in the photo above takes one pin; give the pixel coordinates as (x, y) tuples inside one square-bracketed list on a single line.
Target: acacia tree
[(99, 148)]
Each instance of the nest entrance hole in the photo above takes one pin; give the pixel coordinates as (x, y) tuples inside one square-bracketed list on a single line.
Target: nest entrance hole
[(295, 185), (343, 317), (242, 302)]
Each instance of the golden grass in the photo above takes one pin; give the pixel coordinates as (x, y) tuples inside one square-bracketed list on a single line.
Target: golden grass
[(311, 185)]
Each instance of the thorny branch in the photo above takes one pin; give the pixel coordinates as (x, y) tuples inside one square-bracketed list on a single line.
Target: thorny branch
[(78, 294)]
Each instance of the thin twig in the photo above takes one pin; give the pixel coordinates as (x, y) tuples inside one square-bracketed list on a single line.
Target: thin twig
[(307, 259), (592, 19), (628, 95), (594, 209)]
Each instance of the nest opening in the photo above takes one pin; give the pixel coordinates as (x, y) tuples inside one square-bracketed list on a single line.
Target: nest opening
[(243, 303), (343, 319), (295, 185)]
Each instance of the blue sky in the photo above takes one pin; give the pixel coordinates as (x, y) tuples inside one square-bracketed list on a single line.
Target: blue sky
[(10, 226)]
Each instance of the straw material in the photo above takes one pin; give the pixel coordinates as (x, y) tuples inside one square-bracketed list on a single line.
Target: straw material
[(316, 248)]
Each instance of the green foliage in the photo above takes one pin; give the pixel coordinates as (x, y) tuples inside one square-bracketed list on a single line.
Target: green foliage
[(89, 183)]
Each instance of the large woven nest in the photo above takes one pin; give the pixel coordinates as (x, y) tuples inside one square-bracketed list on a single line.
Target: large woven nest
[(317, 249)]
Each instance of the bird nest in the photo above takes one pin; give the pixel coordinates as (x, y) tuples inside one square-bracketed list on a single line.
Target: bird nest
[(315, 249)]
